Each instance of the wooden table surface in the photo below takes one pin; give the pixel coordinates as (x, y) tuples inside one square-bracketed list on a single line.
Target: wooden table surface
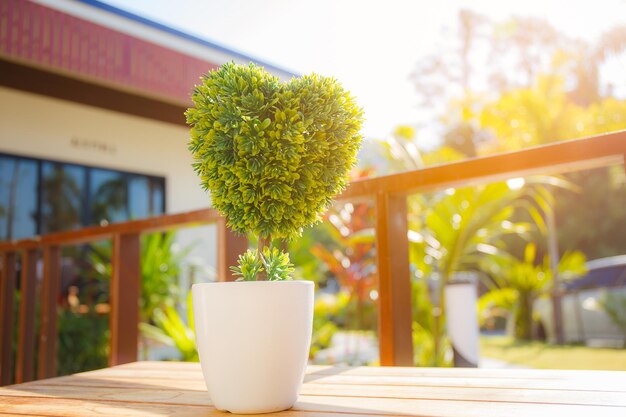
[(174, 388)]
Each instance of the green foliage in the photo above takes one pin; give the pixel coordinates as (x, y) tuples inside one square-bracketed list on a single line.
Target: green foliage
[(495, 303), (350, 259), (430, 346), (83, 341), (171, 330), (272, 155), (160, 268), (160, 290), (277, 265), (528, 278), (248, 266), (544, 112), (273, 262), (596, 225), (460, 226), (324, 323)]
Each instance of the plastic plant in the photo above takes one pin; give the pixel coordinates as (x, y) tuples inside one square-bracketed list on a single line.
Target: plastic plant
[(272, 154)]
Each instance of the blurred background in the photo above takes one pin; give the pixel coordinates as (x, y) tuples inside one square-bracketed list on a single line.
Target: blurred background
[(92, 96)]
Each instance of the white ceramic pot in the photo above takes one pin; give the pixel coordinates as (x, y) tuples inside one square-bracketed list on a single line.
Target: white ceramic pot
[(253, 340)]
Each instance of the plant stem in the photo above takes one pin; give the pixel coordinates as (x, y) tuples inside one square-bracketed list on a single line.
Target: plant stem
[(264, 241)]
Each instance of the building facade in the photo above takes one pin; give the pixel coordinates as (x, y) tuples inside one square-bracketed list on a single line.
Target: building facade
[(92, 128)]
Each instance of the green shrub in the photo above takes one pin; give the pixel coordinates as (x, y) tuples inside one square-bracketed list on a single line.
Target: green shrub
[(83, 341), (272, 154)]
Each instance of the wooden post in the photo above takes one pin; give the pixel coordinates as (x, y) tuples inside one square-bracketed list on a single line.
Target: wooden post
[(394, 281), (229, 247), (125, 290), (7, 305), (25, 370), (47, 366), (553, 251)]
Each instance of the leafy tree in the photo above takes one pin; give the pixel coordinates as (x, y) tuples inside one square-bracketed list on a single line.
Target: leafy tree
[(111, 196), (485, 59), (593, 220), (545, 112), (273, 155), (542, 113), (61, 198), (452, 231), (9, 210), (528, 278)]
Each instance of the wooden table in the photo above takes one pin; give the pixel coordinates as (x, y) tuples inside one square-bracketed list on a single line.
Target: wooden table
[(172, 388)]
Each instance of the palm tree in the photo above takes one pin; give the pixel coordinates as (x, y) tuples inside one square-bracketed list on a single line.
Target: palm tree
[(528, 279), (61, 198), (452, 231), (111, 196), (9, 212)]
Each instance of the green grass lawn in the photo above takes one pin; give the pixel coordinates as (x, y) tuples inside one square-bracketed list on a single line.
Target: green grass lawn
[(544, 356)]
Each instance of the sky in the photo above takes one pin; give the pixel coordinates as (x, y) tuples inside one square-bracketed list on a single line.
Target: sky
[(370, 46)]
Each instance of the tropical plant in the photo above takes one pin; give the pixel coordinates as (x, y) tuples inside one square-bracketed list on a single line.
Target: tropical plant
[(429, 348), (351, 257), (61, 196), (170, 329), (83, 341), (528, 278), (161, 262), (325, 313), (272, 154), (452, 231), (160, 267), (273, 262), (111, 198)]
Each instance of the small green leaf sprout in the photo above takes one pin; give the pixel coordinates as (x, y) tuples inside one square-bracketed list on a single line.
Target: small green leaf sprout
[(274, 262)]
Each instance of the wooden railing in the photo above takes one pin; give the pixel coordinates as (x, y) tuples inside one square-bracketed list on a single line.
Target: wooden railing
[(124, 288), (388, 192), (390, 196)]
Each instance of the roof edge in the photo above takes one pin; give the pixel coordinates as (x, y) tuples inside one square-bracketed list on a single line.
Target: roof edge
[(172, 31)]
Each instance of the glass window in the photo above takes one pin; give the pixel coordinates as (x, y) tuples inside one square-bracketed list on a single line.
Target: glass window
[(18, 198), (145, 196), (109, 196), (62, 196), (157, 187), (40, 197)]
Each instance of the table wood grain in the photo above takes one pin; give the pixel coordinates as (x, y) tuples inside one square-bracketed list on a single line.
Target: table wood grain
[(176, 388)]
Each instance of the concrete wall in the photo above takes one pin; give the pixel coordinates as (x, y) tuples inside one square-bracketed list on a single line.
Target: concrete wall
[(44, 127)]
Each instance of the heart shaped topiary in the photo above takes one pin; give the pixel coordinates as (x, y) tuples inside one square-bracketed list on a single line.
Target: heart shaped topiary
[(272, 154)]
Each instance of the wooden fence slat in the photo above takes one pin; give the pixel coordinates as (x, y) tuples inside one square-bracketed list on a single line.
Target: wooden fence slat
[(25, 368), (7, 305), (394, 281), (230, 246), (48, 328), (124, 289)]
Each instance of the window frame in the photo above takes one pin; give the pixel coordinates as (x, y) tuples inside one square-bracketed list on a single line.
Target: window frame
[(86, 217)]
